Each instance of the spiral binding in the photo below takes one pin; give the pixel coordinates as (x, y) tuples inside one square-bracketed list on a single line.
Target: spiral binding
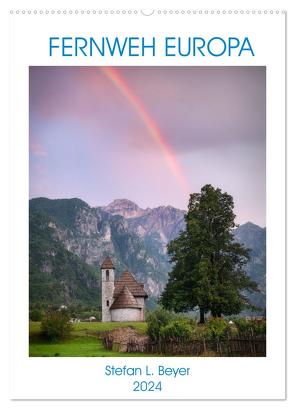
[(143, 12)]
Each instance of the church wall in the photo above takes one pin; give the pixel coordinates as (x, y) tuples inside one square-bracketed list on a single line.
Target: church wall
[(140, 302), (127, 314)]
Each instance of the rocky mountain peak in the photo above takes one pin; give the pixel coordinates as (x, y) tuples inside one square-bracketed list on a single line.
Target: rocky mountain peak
[(125, 208), (252, 236), (69, 240)]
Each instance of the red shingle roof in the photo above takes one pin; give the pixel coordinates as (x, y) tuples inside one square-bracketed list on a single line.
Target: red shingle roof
[(127, 279), (107, 263), (125, 300)]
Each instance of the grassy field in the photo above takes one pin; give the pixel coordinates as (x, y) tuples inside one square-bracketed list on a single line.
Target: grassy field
[(83, 342)]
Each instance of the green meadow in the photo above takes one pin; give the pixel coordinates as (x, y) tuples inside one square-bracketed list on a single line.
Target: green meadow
[(83, 342)]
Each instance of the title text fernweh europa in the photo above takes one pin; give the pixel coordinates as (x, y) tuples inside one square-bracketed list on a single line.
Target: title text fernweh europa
[(142, 46)]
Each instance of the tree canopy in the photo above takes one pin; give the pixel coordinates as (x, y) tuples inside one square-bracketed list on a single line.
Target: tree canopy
[(208, 264)]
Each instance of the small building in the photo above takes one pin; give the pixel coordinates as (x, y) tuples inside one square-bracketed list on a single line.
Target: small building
[(122, 299)]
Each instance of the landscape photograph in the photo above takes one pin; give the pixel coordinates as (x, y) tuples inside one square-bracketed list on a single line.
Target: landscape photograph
[(147, 211)]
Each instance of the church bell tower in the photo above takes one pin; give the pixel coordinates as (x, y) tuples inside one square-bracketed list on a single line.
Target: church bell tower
[(107, 288)]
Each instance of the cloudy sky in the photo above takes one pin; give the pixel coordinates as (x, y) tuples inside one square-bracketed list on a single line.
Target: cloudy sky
[(149, 134)]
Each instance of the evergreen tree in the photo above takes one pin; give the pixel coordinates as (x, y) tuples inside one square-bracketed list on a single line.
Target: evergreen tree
[(208, 264)]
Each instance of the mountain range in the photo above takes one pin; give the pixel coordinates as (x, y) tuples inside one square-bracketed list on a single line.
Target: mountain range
[(69, 240)]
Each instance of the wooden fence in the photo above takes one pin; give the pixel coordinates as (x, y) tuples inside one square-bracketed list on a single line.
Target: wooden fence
[(255, 347)]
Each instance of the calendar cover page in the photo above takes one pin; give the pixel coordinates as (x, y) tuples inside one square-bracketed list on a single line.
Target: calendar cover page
[(148, 155)]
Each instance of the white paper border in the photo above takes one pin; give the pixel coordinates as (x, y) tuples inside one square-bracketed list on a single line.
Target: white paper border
[(26, 380)]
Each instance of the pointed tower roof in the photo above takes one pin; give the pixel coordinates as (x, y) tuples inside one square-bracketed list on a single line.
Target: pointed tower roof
[(127, 279), (125, 300), (108, 263)]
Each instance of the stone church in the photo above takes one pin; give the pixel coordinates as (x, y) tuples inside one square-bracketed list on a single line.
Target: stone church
[(122, 299)]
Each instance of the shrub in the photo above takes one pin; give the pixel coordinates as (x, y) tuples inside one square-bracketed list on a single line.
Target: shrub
[(250, 328), (217, 329), (163, 324), (55, 325), (242, 325), (36, 315), (259, 327), (180, 329), (156, 320)]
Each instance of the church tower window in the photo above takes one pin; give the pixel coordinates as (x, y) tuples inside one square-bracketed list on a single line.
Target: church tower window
[(107, 275)]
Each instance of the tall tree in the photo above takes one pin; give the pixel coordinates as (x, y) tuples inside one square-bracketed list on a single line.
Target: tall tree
[(208, 264)]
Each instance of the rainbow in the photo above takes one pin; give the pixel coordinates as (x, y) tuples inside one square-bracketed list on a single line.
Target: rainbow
[(113, 75)]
